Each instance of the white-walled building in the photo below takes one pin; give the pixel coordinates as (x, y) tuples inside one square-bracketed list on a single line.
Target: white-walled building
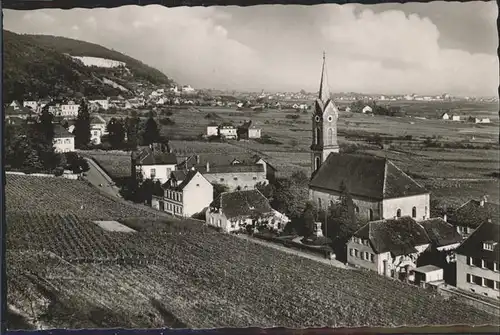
[(469, 216), (445, 116), (185, 193), (97, 129), (101, 102), (227, 131), (455, 117), (213, 129), (153, 162), (33, 104), (367, 110), (69, 110), (64, 141)]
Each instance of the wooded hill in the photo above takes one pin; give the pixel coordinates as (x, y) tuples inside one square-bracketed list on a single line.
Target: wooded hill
[(37, 66)]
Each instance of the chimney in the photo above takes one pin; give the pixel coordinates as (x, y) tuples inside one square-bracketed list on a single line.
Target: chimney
[(208, 167), (445, 218), (197, 159)]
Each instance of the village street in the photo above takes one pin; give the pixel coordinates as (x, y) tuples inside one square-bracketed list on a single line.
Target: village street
[(96, 176)]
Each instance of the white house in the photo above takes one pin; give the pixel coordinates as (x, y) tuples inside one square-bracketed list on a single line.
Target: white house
[(97, 129), (64, 141), (367, 109), (101, 102), (484, 120), (212, 129), (388, 247), (187, 89), (445, 116), (228, 131), (69, 110), (455, 117), (185, 193), (31, 104), (233, 211), (478, 259), (153, 162)]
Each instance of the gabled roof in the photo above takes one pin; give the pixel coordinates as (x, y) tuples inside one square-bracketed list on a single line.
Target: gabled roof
[(473, 245), (440, 232), (242, 204), (179, 180), (21, 110), (217, 160), (237, 168), (365, 176), (61, 132), (226, 124), (472, 215), (397, 236), (97, 119), (149, 156)]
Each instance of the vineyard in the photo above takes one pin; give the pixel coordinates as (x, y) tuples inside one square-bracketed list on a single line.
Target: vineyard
[(64, 196), (184, 274), (116, 164)]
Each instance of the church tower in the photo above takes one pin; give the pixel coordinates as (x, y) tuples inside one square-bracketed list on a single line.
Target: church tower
[(324, 124)]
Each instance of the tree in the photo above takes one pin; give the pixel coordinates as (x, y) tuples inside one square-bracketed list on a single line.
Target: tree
[(266, 189), (151, 132), (46, 125), (116, 132), (82, 126), (132, 126), (76, 163), (219, 188)]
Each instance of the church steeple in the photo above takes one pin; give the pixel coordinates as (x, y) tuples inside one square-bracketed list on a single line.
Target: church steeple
[(324, 124), (324, 92)]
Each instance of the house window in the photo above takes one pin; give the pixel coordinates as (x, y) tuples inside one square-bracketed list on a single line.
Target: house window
[(398, 213), (477, 262), (495, 266), (489, 283), (162, 206), (488, 246), (319, 203), (371, 214), (372, 258), (469, 278), (331, 203), (367, 257), (362, 255), (351, 252), (218, 223), (490, 265), (356, 253), (469, 261), (222, 179), (497, 285), (414, 212), (477, 280), (356, 209), (153, 173)]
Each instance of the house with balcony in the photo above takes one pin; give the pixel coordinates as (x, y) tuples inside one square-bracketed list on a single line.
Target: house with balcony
[(227, 131), (472, 214), (186, 193), (478, 260), (153, 162), (69, 110)]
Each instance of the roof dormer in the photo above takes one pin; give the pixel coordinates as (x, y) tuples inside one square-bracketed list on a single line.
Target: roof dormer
[(489, 245)]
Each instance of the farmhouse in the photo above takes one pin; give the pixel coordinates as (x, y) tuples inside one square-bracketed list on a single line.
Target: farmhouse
[(367, 110), (484, 120), (379, 189), (153, 162), (64, 141), (247, 131), (100, 102), (185, 193), (472, 214), (442, 235), (69, 109), (15, 103), (213, 129), (445, 116), (232, 211), (19, 112), (389, 247), (33, 104), (242, 172), (478, 260), (455, 117), (227, 131)]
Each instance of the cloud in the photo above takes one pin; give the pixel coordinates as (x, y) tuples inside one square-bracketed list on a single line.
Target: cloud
[(279, 47)]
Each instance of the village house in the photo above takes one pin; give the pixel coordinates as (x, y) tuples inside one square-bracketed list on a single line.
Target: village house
[(378, 188), (187, 89), (442, 235), (64, 141), (248, 131), (455, 117), (227, 131), (69, 110), (15, 103), (185, 193), (389, 247), (18, 111), (97, 129), (445, 116), (478, 259), (484, 120), (153, 162), (213, 129), (100, 102), (234, 211), (233, 172), (55, 109), (472, 214), (33, 104), (367, 110)]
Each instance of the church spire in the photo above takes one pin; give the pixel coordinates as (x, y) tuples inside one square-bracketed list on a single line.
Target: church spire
[(324, 92)]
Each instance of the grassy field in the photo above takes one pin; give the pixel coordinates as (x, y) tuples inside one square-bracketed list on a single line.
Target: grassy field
[(68, 273)]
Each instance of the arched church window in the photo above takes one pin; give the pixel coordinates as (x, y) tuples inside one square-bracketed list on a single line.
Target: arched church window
[(318, 135), (319, 203), (317, 162), (356, 209), (398, 213), (371, 214), (414, 212), (330, 135)]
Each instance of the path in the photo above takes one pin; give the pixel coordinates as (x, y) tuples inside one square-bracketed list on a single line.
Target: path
[(96, 176), (320, 259)]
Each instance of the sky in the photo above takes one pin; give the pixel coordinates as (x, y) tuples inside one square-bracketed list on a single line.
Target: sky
[(422, 48)]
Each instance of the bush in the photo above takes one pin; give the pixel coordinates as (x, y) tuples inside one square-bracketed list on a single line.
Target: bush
[(292, 116)]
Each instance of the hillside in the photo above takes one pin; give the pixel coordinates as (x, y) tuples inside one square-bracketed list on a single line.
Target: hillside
[(65, 271), (38, 66)]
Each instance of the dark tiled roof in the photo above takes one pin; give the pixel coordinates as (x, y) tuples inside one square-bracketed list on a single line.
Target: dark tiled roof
[(216, 160), (148, 156), (366, 176), (472, 215), (96, 120), (11, 110), (397, 236), (226, 124), (473, 245), (178, 184), (61, 132), (440, 232), (242, 204), (238, 168), (245, 125)]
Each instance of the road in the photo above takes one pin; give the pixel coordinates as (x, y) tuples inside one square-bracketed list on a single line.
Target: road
[(96, 176), (320, 259)]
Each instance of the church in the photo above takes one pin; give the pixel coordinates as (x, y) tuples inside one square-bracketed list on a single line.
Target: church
[(379, 189)]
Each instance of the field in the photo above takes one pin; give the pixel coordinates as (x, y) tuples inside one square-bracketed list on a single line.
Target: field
[(68, 272)]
